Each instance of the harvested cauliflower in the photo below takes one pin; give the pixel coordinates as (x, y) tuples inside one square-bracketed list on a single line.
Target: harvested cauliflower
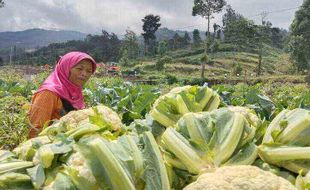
[(27, 150), (241, 178), (74, 118), (105, 117), (77, 161), (249, 114)]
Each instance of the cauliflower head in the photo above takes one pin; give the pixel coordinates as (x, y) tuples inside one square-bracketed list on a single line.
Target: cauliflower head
[(241, 178), (74, 118)]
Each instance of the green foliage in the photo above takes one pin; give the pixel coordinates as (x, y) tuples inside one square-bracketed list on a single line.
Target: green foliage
[(214, 46), (185, 53), (243, 32), (257, 97), (124, 60), (299, 40), (160, 64), (195, 81), (298, 52), (244, 95), (13, 121), (186, 40), (206, 8), (128, 100), (177, 41), (196, 38), (103, 47), (150, 26), (130, 45), (240, 32), (162, 48), (204, 58), (237, 68), (171, 79)]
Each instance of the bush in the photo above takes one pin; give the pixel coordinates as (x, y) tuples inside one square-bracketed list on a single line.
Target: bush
[(153, 77), (308, 78), (204, 58), (190, 61), (195, 81), (226, 47), (207, 60), (160, 64), (210, 62), (187, 53), (171, 79), (237, 68), (149, 67)]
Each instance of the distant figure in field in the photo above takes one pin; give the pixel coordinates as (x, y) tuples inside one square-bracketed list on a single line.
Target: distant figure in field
[(47, 67), (61, 92)]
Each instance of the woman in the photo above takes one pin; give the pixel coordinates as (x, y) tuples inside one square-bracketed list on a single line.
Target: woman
[(61, 92)]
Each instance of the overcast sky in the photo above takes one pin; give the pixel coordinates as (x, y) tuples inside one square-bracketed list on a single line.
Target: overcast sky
[(91, 16)]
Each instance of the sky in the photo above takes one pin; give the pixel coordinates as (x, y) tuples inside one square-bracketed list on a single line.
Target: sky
[(93, 16)]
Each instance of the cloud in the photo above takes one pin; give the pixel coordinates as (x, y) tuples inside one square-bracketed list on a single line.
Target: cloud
[(92, 16)]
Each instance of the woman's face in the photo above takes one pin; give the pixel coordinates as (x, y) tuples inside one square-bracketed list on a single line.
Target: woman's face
[(81, 72)]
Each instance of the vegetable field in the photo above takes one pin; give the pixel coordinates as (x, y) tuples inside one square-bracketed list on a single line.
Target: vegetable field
[(160, 137)]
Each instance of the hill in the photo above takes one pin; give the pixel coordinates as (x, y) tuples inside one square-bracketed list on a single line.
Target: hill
[(226, 67), (166, 34), (34, 38)]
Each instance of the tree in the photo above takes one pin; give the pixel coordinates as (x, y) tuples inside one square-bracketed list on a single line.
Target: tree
[(299, 39), (245, 35), (196, 38), (186, 40), (162, 48), (278, 37), (237, 29), (177, 41), (206, 8), (1, 61), (160, 64), (230, 16), (124, 60), (261, 36), (130, 44), (106, 47), (215, 29), (150, 26), (1, 3)]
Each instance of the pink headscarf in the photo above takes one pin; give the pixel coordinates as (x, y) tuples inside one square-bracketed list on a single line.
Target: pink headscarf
[(58, 81)]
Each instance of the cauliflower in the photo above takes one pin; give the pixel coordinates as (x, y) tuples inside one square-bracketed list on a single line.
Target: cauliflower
[(303, 182), (249, 114), (169, 108), (77, 161), (27, 150), (80, 173), (75, 118), (241, 178)]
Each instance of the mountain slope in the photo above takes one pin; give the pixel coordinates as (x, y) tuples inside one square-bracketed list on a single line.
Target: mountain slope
[(33, 38)]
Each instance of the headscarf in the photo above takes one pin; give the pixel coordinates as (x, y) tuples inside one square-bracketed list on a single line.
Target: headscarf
[(58, 81)]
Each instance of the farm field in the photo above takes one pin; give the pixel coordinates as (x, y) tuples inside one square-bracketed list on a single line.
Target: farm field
[(155, 95), (134, 105)]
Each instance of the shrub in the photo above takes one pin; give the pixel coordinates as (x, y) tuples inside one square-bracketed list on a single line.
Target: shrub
[(195, 81), (171, 79), (237, 68), (160, 64)]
